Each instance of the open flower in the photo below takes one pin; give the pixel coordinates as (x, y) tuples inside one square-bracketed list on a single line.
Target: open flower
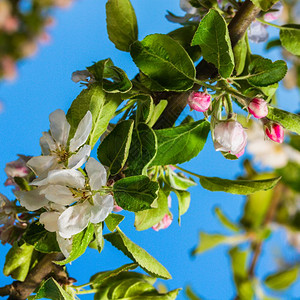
[(57, 152)]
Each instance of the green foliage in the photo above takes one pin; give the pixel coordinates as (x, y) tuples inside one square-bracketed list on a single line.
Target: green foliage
[(113, 220), (121, 23), (158, 110), (184, 199), (243, 284), (240, 51), (264, 72), (19, 260), (288, 120), (282, 280), (142, 150), (208, 241), (102, 106), (98, 242), (225, 220), (145, 108), (165, 62), (149, 217), (50, 289), (104, 70), (213, 38), (178, 181), (290, 175), (179, 144), (80, 242), (240, 187), (135, 193), (264, 4), (190, 294), (114, 149), (137, 254), (290, 38)]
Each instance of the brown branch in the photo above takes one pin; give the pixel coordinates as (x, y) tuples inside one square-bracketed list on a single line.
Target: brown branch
[(22, 290), (177, 101)]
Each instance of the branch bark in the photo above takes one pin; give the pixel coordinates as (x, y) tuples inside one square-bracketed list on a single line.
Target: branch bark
[(177, 101)]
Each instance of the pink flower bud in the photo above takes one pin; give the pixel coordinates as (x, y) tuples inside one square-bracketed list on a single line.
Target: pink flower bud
[(274, 15), (230, 136), (258, 108), (164, 223), (275, 132), (199, 101), (117, 208)]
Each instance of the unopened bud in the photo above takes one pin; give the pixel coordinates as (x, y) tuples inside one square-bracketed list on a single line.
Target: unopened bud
[(164, 223), (199, 101), (258, 108), (275, 132)]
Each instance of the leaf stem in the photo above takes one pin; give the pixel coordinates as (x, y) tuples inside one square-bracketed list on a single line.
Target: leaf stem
[(186, 171), (93, 291), (82, 285), (270, 24)]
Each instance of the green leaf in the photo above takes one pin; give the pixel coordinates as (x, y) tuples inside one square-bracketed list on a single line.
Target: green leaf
[(179, 144), (50, 289), (290, 175), (113, 220), (137, 254), (240, 54), (142, 150), (158, 110), (164, 61), (135, 193), (290, 38), (184, 199), (208, 241), (282, 280), (191, 294), (240, 187), (145, 108), (264, 72), (79, 244), (240, 273), (18, 261), (121, 22), (225, 221), (102, 107), (213, 38), (264, 4), (288, 120), (99, 241), (111, 78), (114, 149), (149, 217), (178, 181)]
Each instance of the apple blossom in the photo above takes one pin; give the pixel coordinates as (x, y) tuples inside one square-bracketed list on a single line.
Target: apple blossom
[(187, 7), (164, 223), (199, 101), (230, 136), (258, 108), (257, 32), (275, 132), (57, 151), (275, 14)]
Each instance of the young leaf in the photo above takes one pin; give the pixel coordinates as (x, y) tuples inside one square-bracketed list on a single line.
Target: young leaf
[(135, 193), (99, 241), (208, 241), (101, 105), (142, 150), (288, 120), (290, 38), (178, 181), (225, 221), (213, 38), (18, 261), (114, 149), (264, 72), (137, 254), (80, 242), (149, 217), (240, 53), (282, 280), (50, 289), (164, 61), (113, 220), (158, 110), (184, 199), (179, 144), (264, 4), (145, 108), (240, 187), (121, 22)]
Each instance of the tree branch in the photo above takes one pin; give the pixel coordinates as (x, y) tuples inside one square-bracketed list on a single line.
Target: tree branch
[(177, 101)]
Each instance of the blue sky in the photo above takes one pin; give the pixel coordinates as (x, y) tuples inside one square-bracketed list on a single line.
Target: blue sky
[(44, 84)]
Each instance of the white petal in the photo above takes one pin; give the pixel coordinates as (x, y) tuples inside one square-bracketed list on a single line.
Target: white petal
[(257, 32), (67, 177), (103, 206), (47, 143), (49, 220), (74, 219), (59, 127), (82, 133), (78, 159), (65, 245), (41, 164), (59, 194), (31, 200), (96, 172)]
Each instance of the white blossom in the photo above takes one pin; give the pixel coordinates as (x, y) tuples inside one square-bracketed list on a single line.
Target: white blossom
[(257, 32)]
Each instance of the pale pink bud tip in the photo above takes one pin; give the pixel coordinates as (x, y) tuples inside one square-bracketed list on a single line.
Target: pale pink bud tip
[(199, 101), (258, 108), (117, 208), (164, 223), (275, 132)]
